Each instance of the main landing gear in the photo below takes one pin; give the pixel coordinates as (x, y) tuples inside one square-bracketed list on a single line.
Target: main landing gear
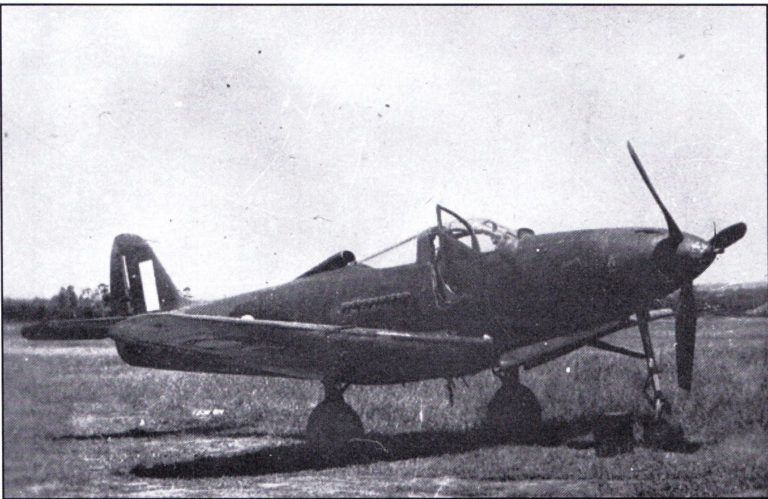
[(513, 414), (332, 423)]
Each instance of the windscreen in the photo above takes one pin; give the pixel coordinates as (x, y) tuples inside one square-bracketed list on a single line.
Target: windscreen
[(490, 235)]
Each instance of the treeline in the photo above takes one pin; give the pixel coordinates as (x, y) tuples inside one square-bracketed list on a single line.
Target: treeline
[(67, 304), (737, 299)]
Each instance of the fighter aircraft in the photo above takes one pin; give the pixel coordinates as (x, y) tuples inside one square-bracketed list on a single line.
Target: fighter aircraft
[(475, 296)]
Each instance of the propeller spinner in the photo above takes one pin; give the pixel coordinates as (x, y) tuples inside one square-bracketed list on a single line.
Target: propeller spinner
[(685, 320)]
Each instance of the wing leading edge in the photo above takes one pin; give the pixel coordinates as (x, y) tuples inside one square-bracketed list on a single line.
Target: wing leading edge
[(299, 350), (538, 353)]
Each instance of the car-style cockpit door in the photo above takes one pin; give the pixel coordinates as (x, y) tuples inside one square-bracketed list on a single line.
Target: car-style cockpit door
[(458, 269), (457, 232)]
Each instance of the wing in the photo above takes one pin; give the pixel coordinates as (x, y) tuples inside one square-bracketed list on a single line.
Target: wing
[(299, 350), (538, 353)]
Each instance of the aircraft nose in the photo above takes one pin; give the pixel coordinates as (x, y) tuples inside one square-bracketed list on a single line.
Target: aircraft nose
[(693, 256)]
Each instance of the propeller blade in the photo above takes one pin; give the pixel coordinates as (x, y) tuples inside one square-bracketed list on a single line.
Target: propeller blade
[(675, 233), (685, 335), (728, 236)]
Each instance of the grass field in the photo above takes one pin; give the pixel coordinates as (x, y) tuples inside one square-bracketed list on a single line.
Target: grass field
[(79, 422)]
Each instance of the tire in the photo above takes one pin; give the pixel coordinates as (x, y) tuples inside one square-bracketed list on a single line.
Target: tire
[(663, 435), (513, 414), (331, 425), (613, 434)]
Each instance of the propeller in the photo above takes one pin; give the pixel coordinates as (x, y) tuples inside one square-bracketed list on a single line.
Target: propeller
[(685, 335), (727, 237), (675, 234), (685, 320)]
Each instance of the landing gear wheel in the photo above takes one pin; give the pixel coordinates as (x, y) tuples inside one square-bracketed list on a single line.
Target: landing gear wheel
[(614, 434), (661, 434), (332, 424), (513, 414)]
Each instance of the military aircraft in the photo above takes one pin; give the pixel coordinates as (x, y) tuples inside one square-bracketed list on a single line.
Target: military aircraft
[(475, 296)]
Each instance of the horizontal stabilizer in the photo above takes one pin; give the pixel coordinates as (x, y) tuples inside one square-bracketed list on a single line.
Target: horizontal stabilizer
[(71, 329)]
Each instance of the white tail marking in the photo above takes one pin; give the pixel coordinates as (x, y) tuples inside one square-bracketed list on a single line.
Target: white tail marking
[(149, 285), (126, 281)]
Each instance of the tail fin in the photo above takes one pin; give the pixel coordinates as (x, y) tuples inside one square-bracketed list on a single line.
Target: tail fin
[(138, 281), (138, 284)]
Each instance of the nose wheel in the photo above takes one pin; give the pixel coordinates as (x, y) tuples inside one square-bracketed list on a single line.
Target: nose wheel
[(513, 414), (333, 423)]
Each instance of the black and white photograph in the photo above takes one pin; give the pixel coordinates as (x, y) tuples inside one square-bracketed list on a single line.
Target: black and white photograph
[(384, 250)]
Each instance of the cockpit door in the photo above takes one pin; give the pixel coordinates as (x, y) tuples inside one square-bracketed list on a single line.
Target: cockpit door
[(458, 266), (457, 232)]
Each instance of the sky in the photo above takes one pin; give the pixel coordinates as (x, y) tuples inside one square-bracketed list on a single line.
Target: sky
[(247, 144)]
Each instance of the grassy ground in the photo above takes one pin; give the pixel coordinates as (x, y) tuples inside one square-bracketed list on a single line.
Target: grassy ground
[(77, 421)]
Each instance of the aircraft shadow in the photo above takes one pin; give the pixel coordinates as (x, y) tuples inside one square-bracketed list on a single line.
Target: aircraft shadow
[(298, 457), (226, 430), (374, 447)]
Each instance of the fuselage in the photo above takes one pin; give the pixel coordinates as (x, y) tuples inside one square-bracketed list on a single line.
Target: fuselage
[(546, 285)]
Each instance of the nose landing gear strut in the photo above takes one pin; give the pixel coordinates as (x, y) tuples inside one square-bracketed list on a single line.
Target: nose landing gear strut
[(613, 434), (658, 432)]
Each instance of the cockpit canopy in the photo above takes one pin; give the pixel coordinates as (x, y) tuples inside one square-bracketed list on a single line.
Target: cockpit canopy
[(490, 236)]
